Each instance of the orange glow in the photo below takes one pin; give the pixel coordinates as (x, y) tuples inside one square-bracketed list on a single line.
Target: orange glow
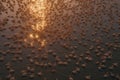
[(31, 36), (43, 43), (37, 10)]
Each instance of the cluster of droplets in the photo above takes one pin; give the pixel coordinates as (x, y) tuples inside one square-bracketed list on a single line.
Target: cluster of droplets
[(38, 10), (69, 40)]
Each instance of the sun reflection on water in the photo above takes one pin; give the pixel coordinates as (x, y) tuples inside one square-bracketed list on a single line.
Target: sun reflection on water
[(38, 10)]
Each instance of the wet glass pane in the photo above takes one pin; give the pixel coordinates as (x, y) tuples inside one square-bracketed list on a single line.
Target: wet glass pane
[(59, 39)]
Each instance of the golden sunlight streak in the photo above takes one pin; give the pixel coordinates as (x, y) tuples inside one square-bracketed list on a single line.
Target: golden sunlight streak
[(37, 9)]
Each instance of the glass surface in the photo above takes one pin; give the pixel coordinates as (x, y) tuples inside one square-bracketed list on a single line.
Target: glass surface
[(59, 39)]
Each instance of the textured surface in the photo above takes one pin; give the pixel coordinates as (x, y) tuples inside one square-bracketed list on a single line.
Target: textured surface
[(80, 40)]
